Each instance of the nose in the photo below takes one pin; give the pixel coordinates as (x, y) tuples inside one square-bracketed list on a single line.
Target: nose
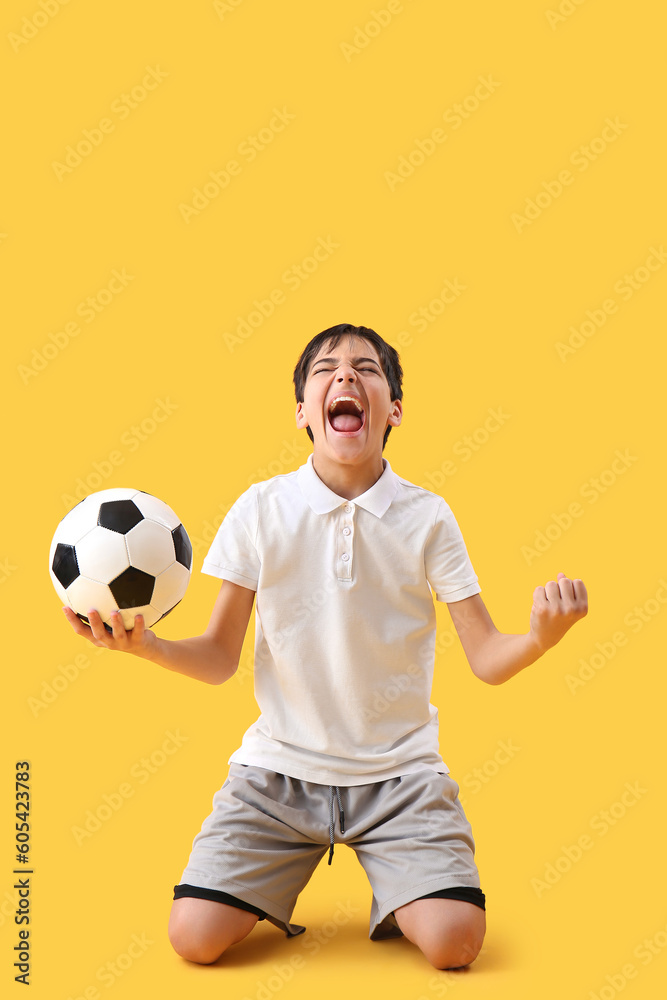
[(346, 373)]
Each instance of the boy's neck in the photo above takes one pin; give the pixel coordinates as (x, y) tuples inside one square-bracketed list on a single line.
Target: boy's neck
[(348, 481)]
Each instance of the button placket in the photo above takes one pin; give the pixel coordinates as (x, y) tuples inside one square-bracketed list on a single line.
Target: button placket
[(345, 546)]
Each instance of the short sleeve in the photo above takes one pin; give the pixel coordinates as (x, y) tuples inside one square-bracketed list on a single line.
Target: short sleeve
[(233, 553), (448, 567)]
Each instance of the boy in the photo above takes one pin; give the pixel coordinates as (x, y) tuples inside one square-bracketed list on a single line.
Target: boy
[(343, 555)]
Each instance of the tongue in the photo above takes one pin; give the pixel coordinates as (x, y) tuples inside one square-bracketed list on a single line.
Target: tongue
[(346, 422)]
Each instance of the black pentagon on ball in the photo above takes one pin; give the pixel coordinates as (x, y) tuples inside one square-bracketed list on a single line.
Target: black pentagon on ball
[(133, 588), (182, 546), (65, 567), (119, 515)]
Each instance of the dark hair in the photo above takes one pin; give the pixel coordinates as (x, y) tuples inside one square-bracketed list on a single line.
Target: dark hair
[(391, 365)]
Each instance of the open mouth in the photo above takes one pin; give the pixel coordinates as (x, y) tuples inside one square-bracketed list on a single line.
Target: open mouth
[(346, 414)]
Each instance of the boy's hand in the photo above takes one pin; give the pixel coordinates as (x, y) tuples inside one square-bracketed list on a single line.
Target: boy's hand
[(556, 607), (139, 640)]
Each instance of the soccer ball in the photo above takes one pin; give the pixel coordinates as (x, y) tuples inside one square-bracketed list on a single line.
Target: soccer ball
[(121, 549)]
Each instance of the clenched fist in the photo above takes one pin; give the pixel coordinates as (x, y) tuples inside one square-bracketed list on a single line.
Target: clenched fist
[(556, 607)]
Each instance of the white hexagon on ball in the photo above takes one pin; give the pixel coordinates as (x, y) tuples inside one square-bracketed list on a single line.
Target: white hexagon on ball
[(150, 547), (102, 555), (173, 581), (83, 595), (80, 520)]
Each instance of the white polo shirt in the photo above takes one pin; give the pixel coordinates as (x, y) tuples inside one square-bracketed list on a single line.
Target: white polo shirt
[(345, 622)]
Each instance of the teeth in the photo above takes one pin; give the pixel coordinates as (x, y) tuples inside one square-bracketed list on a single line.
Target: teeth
[(352, 399)]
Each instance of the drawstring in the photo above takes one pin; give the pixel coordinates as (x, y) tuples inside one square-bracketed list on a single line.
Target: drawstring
[(341, 818)]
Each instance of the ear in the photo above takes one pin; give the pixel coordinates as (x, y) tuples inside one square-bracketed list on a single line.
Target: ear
[(396, 414), (301, 419)]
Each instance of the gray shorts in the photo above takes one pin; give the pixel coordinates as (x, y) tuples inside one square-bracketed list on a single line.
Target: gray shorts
[(268, 832)]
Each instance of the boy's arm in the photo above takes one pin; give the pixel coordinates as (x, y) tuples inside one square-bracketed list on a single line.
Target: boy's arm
[(212, 657), (496, 656)]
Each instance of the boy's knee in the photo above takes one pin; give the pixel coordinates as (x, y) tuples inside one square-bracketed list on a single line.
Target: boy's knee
[(458, 946), (453, 954), (449, 933), (201, 930), (199, 951)]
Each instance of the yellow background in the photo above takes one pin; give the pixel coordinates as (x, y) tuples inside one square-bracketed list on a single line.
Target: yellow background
[(220, 74)]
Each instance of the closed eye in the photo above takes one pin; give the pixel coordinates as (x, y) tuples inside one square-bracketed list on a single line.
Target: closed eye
[(320, 370)]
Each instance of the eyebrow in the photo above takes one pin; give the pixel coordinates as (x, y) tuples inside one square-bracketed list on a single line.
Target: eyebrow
[(334, 361)]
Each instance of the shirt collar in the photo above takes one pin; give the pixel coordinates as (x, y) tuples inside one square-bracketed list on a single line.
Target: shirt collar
[(322, 500)]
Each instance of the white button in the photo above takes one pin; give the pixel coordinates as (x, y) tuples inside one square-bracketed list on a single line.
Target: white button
[(345, 557), (346, 531), (347, 509)]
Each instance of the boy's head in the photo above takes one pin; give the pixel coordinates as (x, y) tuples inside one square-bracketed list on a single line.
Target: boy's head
[(352, 361)]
